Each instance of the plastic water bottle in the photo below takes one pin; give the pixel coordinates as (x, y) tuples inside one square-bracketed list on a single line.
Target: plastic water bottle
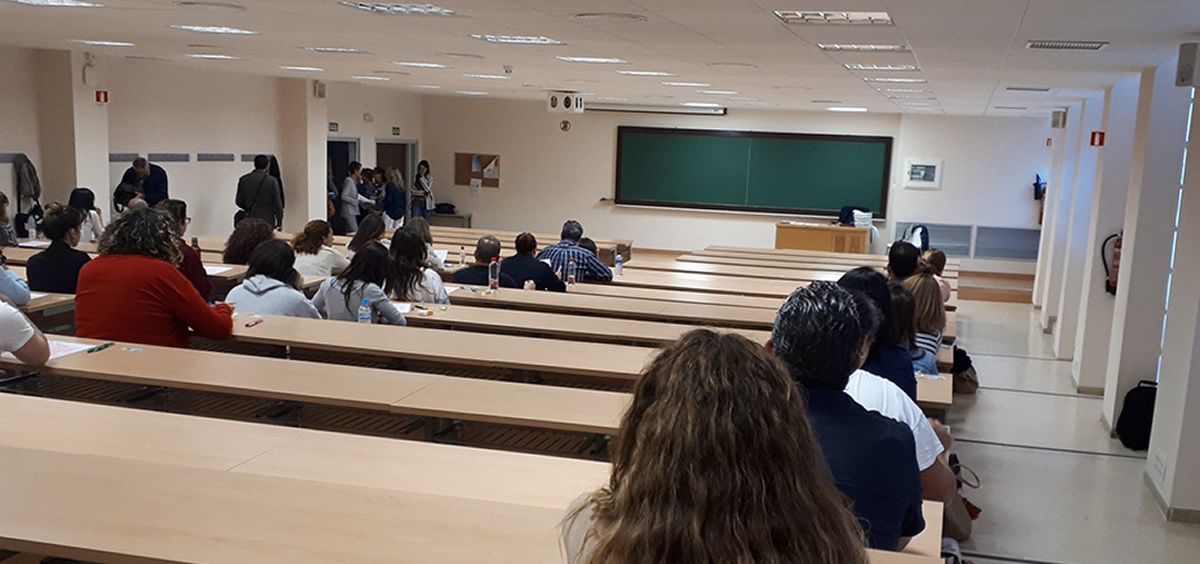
[(572, 272), (494, 275), (462, 255), (620, 264), (364, 312), (31, 227)]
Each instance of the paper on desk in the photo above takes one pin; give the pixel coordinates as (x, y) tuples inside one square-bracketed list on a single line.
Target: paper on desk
[(451, 290), (57, 349), (215, 270), (37, 295), (34, 244), (404, 308), (441, 255)]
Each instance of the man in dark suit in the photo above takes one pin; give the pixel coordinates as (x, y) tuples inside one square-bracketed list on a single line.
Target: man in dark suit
[(149, 179), (259, 195)]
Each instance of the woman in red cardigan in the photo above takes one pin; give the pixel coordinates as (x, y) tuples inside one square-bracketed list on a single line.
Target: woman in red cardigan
[(135, 293)]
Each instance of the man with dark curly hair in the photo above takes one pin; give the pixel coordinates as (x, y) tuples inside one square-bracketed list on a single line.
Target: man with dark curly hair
[(134, 292)]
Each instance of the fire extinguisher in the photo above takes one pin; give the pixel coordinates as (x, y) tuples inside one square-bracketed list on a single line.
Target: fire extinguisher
[(1113, 268)]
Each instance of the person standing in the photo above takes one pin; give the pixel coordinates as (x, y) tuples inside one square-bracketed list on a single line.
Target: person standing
[(150, 180), (351, 199), (422, 193), (258, 194), (393, 199)]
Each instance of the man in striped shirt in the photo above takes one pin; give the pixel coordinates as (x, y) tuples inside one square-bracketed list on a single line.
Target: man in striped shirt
[(588, 266)]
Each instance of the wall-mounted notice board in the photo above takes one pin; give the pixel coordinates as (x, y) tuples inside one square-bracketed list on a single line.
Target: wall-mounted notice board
[(473, 166)]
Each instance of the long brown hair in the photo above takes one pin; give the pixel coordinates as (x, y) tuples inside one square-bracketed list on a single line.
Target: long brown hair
[(370, 229), (930, 313), (310, 241), (716, 462), (3, 208), (419, 226)]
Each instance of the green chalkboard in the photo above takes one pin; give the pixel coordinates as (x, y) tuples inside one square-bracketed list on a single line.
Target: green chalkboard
[(752, 171)]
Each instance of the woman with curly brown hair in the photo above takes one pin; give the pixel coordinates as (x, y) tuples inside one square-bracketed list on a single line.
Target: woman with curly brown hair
[(134, 292), (247, 235), (715, 462)]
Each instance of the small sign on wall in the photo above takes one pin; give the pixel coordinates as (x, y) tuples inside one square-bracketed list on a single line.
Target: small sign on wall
[(101, 96), (922, 174), (1098, 138), (395, 131), (333, 127)]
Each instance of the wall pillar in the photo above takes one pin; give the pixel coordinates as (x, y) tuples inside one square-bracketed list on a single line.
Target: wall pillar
[(303, 122), (1060, 192)]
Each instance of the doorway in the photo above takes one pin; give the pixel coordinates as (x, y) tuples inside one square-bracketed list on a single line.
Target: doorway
[(401, 155), (341, 152)]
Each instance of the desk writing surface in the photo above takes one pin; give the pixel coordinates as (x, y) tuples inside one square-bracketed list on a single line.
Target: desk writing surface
[(677, 296), (44, 301), (704, 283), (807, 263), (744, 272), (767, 268), (957, 264), (935, 392)]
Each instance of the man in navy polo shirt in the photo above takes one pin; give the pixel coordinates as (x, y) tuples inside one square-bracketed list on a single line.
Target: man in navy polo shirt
[(817, 335)]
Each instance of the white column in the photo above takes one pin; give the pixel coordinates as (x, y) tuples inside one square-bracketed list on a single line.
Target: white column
[(1173, 461), (1058, 154), (1060, 191), (1136, 339), (1075, 244), (302, 156), (91, 130), (1108, 217)]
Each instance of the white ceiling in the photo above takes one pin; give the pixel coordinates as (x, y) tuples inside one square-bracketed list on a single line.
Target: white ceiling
[(968, 50)]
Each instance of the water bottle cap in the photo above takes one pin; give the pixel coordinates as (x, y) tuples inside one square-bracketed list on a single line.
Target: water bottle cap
[(366, 301)]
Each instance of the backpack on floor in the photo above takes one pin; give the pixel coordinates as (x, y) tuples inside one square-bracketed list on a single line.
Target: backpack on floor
[(966, 380), (1137, 413)]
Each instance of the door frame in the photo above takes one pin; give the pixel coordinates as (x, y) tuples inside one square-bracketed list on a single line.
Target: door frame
[(413, 150)]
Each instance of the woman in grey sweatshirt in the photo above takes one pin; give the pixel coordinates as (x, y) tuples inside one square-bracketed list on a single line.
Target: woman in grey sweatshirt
[(271, 284), (339, 298)]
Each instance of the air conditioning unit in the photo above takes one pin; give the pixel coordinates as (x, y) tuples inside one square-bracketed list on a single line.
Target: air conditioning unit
[(564, 103)]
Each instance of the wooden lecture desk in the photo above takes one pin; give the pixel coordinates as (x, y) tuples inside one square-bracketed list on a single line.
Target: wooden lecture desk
[(237, 492), (819, 264), (606, 306), (704, 283), (222, 276), (793, 274), (793, 254), (682, 296)]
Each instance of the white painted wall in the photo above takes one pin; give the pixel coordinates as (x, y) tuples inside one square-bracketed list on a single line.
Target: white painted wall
[(19, 132), (348, 102), (1058, 218), (1057, 138), (548, 176)]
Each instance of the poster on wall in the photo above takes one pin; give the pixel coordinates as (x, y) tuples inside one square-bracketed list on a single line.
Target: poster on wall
[(476, 186), (472, 166), (922, 174)]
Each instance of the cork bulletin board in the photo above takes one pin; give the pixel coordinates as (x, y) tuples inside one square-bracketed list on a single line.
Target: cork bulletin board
[(484, 169)]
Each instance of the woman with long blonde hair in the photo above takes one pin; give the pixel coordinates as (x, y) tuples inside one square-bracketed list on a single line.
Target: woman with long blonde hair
[(929, 318), (715, 462)]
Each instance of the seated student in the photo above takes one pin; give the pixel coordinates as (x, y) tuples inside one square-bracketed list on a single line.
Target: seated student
[(687, 486), (419, 226), (929, 319), (938, 482), (21, 338), (888, 357), (192, 266), (935, 261), (589, 244), (411, 281), (904, 307), (56, 269), (818, 336), (370, 228), (362, 282), (134, 292), (272, 285), (13, 290), (315, 255), (588, 266), (903, 259), (523, 268), (245, 237), (8, 233), (83, 200), (486, 250)]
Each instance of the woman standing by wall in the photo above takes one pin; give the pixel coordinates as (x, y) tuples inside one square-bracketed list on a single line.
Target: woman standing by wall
[(422, 193)]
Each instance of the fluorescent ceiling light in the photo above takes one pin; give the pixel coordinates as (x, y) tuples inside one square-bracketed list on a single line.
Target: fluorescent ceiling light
[(905, 90), (610, 99), (743, 99), (344, 50), (732, 65), (827, 101), (610, 16), (861, 67), (60, 3), (486, 76), (102, 43), (370, 77), (593, 60), (895, 80), (518, 39), (644, 73), (686, 84), (472, 93), (863, 47), (701, 104), (400, 9), (211, 57), (910, 97), (852, 109), (1015, 108), (419, 65), (427, 86), (460, 55), (302, 69), (718, 92), (1067, 45), (217, 29), (1027, 88), (802, 17)]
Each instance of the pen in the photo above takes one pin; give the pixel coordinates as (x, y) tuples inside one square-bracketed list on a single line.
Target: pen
[(99, 348), (254, 322)]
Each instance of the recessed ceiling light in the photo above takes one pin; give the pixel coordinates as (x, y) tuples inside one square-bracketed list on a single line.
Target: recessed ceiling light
[(850, 109), (60, 3), (427, 86), (518, 39), (461, 55), (743, 99), (610, 16), (686, 84), (701, 104), (369, 77), (211, 57), (1067, 45), (799, 17), (581, 81), (861, 67), (102, 43), (610, 99), (863, 47), (786, 87), (338, 50), (1014, 108), (400, 9), (910, 97), (1027, 88), (302, 69), (419, 65), (486, 76), (905, 90), (593, 60), (732, 65), (827, 101), (644, 73), (202, 46), (897, 80), (210, 4), (472, 93), (217, 29), (717, 92)]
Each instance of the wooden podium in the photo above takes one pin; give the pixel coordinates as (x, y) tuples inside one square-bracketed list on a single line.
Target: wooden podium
[(822, 237)]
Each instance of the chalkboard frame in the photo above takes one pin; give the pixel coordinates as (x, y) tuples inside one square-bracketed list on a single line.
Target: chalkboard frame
[(887, 172)]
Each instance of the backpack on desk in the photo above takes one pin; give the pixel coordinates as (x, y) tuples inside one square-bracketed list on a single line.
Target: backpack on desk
[(1137, 414)]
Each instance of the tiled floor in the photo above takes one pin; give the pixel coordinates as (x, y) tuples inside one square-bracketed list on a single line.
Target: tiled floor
[(1056, 488)]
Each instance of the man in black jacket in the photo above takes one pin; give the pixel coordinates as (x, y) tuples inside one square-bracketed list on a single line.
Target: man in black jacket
[(258, 194), (524, 267), (150, 180)]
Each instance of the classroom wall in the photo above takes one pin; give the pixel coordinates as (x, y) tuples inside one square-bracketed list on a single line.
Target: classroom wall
[(19, 132), (347, 103), (548, 176)]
